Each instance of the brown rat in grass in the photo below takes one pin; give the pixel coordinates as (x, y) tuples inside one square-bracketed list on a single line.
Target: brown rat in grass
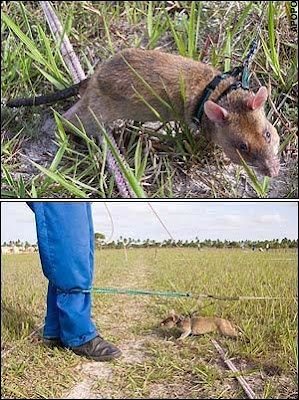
[(136, 84), (199, 325)]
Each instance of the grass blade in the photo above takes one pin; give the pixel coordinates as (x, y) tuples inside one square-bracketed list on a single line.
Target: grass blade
[(227, 51), (56, 177), (259, 189), (133, 182)]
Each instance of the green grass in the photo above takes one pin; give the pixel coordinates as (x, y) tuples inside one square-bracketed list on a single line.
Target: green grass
[(205, 31), (162, 367)]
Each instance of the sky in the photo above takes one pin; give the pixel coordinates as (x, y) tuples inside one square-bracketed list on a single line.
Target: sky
[(213, 220)]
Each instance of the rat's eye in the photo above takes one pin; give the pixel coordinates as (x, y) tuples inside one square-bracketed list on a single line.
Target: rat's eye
[(243, 147), (267, 136)]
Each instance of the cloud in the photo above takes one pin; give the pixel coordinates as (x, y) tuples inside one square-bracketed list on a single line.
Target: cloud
[(270, 219), (231, 219)]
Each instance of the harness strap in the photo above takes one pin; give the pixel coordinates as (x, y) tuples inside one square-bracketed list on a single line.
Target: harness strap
[(233, 86), (215, 82), (243, 83), (206, 94)]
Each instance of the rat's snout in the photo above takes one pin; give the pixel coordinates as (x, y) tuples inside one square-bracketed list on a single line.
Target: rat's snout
[(167, 323), (271, 167)]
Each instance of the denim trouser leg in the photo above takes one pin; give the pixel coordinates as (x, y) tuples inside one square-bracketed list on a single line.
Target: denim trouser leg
[(66, 246), (52, 324)]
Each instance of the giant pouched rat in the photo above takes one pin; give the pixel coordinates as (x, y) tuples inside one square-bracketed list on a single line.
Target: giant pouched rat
[(199, 325), (137, 84)]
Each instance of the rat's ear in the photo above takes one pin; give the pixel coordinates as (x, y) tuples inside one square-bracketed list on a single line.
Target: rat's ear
[(215, 112), (172, 312), (258, 100)]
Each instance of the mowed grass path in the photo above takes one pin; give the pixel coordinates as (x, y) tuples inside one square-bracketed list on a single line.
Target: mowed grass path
[(154, 363)]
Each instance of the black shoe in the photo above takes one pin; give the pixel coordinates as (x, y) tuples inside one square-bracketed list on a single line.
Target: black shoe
[(53, 342), (97, 349)]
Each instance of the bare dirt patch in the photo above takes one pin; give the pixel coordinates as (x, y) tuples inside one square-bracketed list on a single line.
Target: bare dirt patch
[(90, 371)]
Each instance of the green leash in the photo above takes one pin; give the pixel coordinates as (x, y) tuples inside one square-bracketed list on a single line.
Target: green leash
[(137, 292), (171, 294), (247, 62)]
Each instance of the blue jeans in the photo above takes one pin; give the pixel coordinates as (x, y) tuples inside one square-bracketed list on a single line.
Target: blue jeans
[(66, 246)]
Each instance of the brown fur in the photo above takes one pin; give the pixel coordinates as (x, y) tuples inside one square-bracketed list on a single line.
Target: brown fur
[(199, 325), (111, 95), (111, 92)]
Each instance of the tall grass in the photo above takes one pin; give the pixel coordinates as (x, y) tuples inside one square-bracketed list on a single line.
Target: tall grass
[(32, 63)]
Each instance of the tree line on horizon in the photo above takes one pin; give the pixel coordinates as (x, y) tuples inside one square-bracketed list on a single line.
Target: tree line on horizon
[(284, 243), (100, 242)]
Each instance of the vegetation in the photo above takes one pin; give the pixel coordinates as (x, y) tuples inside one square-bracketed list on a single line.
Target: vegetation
[(162, 161), (154, 364), (17, 243), (284, 243), (207, 243)]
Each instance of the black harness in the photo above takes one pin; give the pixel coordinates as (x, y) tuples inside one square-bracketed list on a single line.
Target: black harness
[(243, 82), (212, 86)]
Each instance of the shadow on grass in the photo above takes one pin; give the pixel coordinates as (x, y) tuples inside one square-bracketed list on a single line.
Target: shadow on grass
[(167, 334), (16, 322)]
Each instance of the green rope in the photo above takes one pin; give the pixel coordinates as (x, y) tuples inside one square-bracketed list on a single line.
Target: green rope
[(133, 291), (175, 294)]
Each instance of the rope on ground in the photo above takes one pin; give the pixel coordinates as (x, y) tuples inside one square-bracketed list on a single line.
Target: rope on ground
[(77, 73), (67, 50), (247, 389)]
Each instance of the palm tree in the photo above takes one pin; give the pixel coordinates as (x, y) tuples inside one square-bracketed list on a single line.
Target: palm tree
[(99, 236)]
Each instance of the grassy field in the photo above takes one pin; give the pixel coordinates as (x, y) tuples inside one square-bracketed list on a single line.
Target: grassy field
[(154, 363), (167, 161)]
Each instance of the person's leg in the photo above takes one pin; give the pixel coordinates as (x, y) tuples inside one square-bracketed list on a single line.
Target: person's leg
[(91, 236), (63, 231), (52, 325), (51, 331), (66, 243)]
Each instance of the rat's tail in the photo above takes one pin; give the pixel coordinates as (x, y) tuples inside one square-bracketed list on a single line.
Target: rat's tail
[(48, 98)]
